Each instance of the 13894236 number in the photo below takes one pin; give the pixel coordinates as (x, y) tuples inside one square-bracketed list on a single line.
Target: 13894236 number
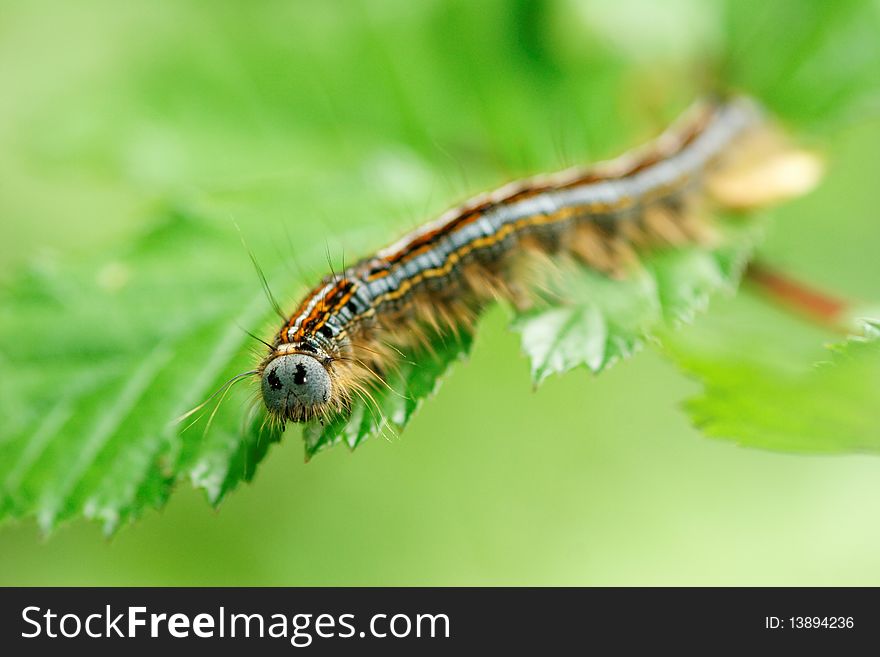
[(816, 622)]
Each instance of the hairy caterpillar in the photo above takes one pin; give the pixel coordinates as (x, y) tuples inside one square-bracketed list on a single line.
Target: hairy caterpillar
[(352, 328)]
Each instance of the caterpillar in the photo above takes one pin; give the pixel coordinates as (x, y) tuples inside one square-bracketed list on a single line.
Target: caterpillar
[(352, 328)]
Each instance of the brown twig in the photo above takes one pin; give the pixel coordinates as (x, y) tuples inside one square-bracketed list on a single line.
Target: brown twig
[(802, 299)]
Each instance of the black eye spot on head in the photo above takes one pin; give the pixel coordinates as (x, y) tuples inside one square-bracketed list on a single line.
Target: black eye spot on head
[(299, 377), (273, 380), (295, 385), (326, 331)]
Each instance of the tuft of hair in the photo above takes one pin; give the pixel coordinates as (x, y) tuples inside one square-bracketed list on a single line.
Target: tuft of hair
[(762, 169)]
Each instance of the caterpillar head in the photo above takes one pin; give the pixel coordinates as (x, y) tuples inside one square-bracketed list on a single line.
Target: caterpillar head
[(296, 387)]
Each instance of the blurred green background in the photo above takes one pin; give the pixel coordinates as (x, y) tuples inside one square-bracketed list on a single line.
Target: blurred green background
[(321, 120)]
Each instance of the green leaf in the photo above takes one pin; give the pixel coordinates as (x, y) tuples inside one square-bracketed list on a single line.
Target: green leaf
[(586, 318), (789, 403), (105, 356), (389, 407), (249, 113)]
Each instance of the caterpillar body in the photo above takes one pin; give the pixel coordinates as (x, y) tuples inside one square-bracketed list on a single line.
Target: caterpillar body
[(352, 328)]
